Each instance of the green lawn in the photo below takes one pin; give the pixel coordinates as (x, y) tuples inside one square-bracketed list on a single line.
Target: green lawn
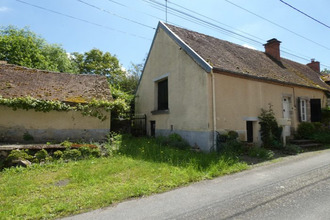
[(140, 166)]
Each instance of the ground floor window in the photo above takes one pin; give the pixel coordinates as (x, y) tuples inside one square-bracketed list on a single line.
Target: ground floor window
[(303, 109)]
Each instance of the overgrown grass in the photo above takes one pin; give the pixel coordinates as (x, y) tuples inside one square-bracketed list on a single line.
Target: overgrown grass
[(137, 166)]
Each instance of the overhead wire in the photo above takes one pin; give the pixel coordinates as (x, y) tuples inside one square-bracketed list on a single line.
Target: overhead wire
[(204, 22), (280, 26), (318, 21), (134, 9), (303, 57), (114, 14), (82, 20)]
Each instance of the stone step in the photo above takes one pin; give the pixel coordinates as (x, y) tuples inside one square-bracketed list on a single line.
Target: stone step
[(302, 141), (310, 145)]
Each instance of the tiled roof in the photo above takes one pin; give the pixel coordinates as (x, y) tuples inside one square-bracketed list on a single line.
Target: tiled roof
[(229, 57), (17, 81)]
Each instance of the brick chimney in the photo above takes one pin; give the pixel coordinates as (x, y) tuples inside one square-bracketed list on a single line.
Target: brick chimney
[(314, 65), (272, 48)]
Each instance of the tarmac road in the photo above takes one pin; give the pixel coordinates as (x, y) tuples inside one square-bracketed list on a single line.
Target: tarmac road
[(296, 188)]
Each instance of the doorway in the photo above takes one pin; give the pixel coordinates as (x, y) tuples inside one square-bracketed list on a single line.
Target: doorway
[(153, 128), (315, 110), (249, 131), (286, 102)]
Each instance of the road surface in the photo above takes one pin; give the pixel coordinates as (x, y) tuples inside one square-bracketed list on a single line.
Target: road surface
[(296, 188)]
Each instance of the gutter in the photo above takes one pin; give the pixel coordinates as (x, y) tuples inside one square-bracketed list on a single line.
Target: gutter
[(214, 114)]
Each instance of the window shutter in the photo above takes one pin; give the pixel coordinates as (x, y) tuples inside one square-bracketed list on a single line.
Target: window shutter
[(299, 109)]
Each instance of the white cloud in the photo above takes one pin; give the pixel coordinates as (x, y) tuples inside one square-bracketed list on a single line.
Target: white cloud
[(248, 46), (4, 9)]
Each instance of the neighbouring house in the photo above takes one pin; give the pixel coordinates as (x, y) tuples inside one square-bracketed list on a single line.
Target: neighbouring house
[(326, 78), (194, 85), (43, 106)]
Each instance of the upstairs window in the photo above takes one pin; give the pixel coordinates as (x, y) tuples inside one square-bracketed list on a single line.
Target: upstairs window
[(163, 95)]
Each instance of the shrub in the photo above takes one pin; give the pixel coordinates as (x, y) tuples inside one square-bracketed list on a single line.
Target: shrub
[(87, 152), (269, 129), (58, 154), (96, 152), (322, 136), (232, 135), (173, 140), (232, 147), (305, 130), (19, 155), (73, 154), (41, 155), (66, 144), (261, 153), (293, 149)]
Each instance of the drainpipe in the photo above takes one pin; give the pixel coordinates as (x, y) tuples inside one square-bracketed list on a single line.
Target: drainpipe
[(214, 112)]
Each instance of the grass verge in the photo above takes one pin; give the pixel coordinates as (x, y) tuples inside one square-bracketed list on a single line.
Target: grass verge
[(138, 167)]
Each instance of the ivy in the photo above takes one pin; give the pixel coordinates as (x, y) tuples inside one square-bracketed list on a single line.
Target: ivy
[(94, 108)]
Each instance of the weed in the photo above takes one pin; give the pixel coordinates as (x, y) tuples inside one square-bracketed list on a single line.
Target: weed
[(71, 154), (41, 155), (260, 152), (58, 154), (27, 137)]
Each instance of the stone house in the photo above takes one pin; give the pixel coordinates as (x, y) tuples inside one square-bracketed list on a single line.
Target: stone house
[(194, 85)]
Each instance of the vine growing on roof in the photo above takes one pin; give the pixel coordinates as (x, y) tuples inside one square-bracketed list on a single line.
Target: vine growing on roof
[(94, 108)]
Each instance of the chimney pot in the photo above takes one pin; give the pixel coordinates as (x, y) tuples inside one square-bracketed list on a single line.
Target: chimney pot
[(272, 48), (314, 65)]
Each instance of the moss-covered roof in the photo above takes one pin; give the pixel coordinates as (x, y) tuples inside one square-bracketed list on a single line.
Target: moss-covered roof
[(17, 81), (235, 59)]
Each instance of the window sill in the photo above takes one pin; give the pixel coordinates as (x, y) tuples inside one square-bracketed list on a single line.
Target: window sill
[(160, 112)]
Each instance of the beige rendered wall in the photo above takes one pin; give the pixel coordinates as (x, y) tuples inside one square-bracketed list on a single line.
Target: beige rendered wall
[(187, 90), (240, 99), (50, 126)]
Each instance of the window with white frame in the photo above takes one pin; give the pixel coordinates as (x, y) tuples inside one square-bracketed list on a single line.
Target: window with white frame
[(303, 109)]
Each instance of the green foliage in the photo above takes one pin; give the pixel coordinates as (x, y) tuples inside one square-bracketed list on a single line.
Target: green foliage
[(322, 136), (23, 47), (58, 155), (292, 149), (326, 116), (87, 152), (129, 84), (269, 129), (27, 137), (66, 144), (305, 130), (71, 154), (260, 152), (97, 62), (173, 140), (325, 71), (41, 155), (231, 147), (19, 155), (94, 108)]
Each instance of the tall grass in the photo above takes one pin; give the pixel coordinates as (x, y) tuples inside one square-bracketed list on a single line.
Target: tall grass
[(136, 167)]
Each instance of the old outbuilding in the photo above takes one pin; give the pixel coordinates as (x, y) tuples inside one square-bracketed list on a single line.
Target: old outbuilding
[(44, 106)]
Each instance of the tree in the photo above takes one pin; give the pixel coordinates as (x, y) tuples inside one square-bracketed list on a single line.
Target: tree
[(23, 47), (97, 62), (325, 71), (130, 82)]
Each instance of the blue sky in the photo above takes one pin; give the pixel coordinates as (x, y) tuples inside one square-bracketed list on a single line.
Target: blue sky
[(125, 28)]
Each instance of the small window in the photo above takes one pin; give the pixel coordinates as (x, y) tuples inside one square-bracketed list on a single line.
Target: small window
[(163, 95)]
